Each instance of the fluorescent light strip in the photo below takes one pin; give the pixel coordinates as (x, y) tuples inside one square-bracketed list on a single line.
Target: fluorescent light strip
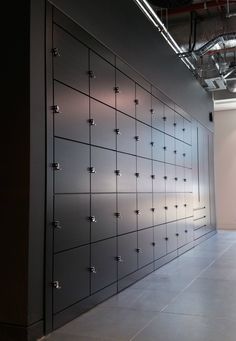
[(153, 17)]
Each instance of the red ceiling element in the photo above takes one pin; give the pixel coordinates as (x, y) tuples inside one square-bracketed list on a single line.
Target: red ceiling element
[(199, 6)]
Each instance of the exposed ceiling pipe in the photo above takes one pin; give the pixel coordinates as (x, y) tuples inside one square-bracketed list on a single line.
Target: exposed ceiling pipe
[(200, 6)]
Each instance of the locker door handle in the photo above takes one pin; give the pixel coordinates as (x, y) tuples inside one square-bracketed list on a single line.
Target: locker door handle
[(136, 101), (117, 131), (166, 207), (153, 209), (152, 111), (186, 231), (176, 179), (177, 234), (164, 118), (92, 269), (153, 244), (137, 175), (56, 224), (165, 148), (55, 52), (56, 109), (118, 215), (116, 89), (165, 177), (166, 238), (92, 219), (175, 151), (138, 250), (117, 172), (136, 138), (152, 143), (91, 121), (137, 212), (56, 166), (174, 124), (119, 259), (183, 129), (176, 206), (153, 176), (56, 285), (91, 74), (92, 170)]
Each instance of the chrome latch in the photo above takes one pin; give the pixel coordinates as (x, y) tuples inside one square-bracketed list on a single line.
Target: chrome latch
[(56, 224), (92, 170), (56, 109), (56, 166), (117, 172), (119, 259), (92, 269), (92, 219), (55, 52), (56, 285), (92, 122), (117, 131), (91, 74)]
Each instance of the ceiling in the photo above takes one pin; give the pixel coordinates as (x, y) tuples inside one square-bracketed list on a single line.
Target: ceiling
[(206, 33)]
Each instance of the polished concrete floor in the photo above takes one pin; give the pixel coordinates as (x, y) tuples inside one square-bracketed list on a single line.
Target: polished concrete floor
[(193, 298)]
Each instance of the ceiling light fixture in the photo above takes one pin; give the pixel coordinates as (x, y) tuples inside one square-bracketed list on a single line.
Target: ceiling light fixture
[(153, 17)]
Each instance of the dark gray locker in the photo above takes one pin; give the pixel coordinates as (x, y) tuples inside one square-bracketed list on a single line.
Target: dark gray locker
[(103, 216), (144, 146), (145, 212), (104, 165), (187, 156), (144, 175), (145, 247), (170, 178), (158, 139), (143, 105), (102, 80), (126, 182), (179, 147), (72, 120), (188, 182), (127, 253), (71, 63), (126, 133), (71, 277), (125, 94), (182, 235), (71, 221), (160, 241), (169, 118), (171, 203), (127, 220), (180, 200), (71, 167), (179, 126), (187, 131), (169, 149), (180, 175), (189, 229), (159, 204), (159, 173), (171, 233), (157, 114), (188, 204), (103, 259), (103, 135)]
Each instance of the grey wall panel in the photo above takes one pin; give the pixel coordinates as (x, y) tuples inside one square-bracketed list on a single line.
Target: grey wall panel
[(143, 48)]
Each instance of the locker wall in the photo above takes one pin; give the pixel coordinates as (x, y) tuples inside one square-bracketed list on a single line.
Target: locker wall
[(122, 178)]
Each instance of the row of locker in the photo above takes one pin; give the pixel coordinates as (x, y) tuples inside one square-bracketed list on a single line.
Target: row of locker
[(109, 171), (82, 218), (83, 271), (94, 76)]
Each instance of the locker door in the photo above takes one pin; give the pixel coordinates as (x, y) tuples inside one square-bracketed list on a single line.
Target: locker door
[(144, 175), (171, 210), (71, 67), (145, 247), (144, 147), (127, 166), (145, 213), (189, 229), (102, 80), (73, 160), (72, 120), (159, 173), (71, 270), (143, 106), (159, 204), (71, 221), (180, 175), (181, 208), (187, 156), (181, 233), (171, 232), (160, 249), (126, 134), (127, 251), (157, 114), (169, 118), (179, 125), (169, 149), (102, 134), (179, 147), (103, 259), (125, 95), (103, 211), (189, 204), (127, 220), (104, 163), (170, 178), (158, 139), (187, 131), (188, 182)]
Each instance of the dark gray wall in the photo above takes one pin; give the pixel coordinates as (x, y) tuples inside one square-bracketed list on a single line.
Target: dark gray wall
[(124, 29)]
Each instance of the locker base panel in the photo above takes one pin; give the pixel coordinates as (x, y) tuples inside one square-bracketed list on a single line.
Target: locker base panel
[(9, 332), (77, 309), (166, 259), (204, 237), (135, 276), (185, 248)]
